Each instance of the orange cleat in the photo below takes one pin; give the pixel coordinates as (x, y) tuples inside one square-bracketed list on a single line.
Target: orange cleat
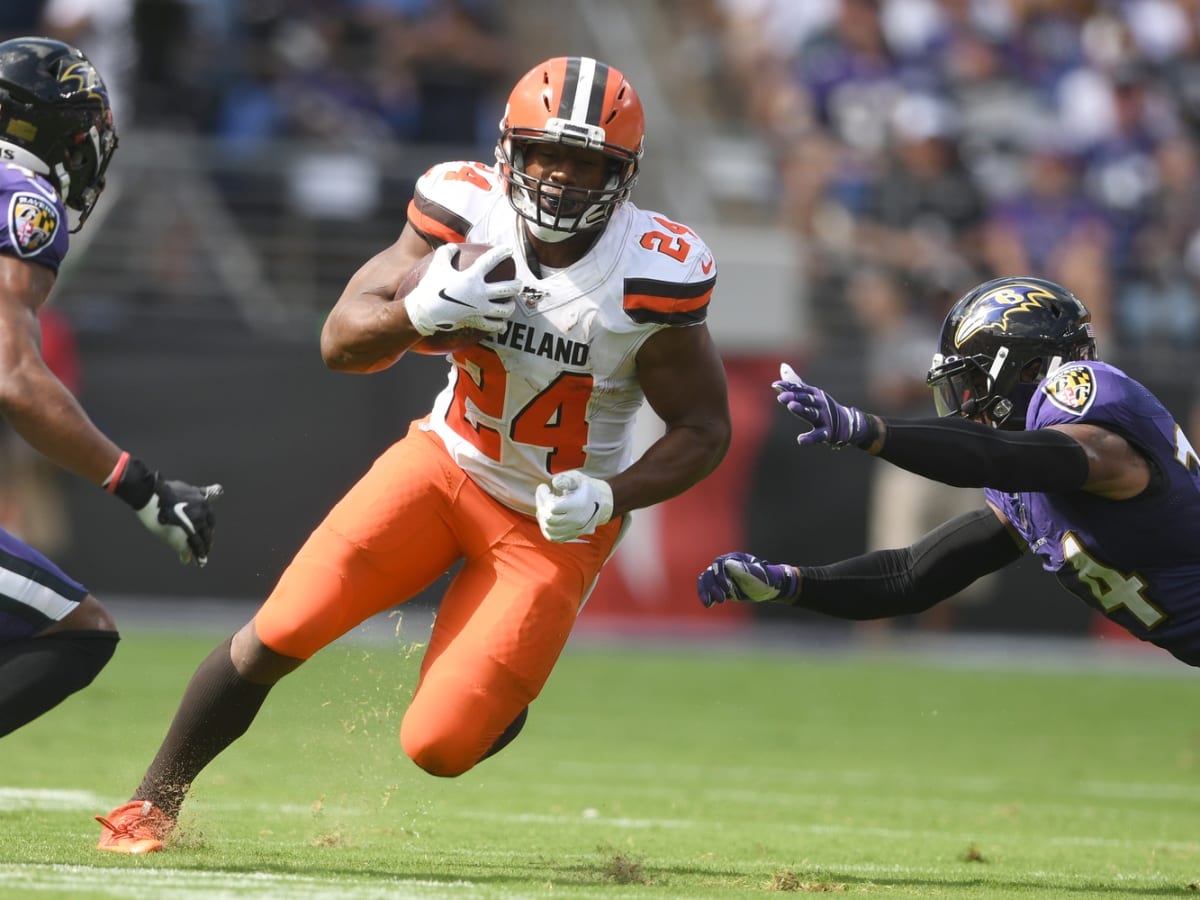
[(137, 827)]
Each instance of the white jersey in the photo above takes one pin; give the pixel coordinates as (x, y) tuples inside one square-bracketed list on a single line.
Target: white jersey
[(558, 389)]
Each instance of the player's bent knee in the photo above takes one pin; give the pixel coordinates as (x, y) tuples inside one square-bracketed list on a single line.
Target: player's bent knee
[(90, 616), (444, 759), (448, 751), (38, 674)]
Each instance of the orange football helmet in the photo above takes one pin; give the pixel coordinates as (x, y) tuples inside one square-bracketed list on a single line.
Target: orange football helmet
[(581, 102)]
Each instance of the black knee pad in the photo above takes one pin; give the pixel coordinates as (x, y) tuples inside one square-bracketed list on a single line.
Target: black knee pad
[(39, 673)]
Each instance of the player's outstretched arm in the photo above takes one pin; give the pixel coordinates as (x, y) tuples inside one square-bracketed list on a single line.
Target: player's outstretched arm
[(743, 576), (47, 415), (832, 423), (875, 585), (954, 450)]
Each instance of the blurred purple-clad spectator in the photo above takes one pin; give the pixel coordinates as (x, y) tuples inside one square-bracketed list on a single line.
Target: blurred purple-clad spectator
[(1121, 166), (1050, 229), (1158, 303), (925, 212), (364, 70)]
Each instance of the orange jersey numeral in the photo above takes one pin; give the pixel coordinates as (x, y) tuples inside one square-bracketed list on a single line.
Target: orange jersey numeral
[(555, 419), (471, 174), (675, 247)]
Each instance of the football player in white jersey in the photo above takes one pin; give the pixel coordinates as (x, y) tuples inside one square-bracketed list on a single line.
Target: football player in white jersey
[(523, 471)]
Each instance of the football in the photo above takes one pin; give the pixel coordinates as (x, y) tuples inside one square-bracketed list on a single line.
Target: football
[(444, 342)]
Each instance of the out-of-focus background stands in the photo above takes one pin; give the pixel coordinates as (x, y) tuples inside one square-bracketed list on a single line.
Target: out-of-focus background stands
[(855, 164)]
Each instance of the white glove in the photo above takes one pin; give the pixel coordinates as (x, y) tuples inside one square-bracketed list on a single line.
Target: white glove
[(446, 299), (572, 504)]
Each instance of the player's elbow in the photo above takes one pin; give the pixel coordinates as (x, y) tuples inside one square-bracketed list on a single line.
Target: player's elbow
[(25, 390), (713, 442), (334, 351), (722, 440), (342, 355)]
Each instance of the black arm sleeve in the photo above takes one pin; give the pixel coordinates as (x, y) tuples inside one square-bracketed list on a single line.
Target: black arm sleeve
[(963, 453), (898, 582)]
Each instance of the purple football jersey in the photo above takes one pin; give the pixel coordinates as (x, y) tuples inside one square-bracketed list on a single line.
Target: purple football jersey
[(1137, 561), (35, 221), (36, 593)]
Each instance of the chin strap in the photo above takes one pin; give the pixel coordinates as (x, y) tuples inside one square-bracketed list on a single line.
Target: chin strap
[(549, 235)]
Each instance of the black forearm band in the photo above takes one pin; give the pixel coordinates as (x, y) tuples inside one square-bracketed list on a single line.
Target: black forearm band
[(963, 453), (898, 582)]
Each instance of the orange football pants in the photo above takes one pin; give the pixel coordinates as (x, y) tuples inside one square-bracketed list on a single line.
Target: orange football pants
[(502, 622)]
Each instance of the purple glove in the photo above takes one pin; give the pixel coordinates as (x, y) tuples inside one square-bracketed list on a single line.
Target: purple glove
[(741, 576), (831, 422)]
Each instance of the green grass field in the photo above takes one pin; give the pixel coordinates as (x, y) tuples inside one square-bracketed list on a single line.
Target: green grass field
[(648, 772)]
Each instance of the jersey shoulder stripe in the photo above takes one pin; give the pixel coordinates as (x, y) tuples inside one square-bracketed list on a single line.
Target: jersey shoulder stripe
[(648, 300), (434, 222)]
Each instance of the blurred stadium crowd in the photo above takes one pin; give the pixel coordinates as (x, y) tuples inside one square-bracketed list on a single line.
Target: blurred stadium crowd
[(248, 70), (917, 146), (921, 146)]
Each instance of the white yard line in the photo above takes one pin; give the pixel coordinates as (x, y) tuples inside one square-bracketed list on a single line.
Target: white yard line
[(12, 798), (186, 884), (181, 884)]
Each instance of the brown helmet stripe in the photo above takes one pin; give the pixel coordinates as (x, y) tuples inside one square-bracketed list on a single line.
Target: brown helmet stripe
[(570, 85)]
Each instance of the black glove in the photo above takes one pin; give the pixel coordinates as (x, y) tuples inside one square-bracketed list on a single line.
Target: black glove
[(178, 512)]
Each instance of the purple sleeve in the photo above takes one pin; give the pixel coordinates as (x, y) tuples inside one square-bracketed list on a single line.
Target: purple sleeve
[(35, 221)]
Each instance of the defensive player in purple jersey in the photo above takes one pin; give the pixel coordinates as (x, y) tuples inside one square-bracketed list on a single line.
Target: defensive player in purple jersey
[(1082, 465), (56, 139)]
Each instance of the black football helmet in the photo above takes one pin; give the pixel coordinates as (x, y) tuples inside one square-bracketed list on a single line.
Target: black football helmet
[(55, 118), (998, 342)]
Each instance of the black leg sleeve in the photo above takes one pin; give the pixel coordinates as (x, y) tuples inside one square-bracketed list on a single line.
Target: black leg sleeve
[(217, 708), (39, 673), (890, 583)]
